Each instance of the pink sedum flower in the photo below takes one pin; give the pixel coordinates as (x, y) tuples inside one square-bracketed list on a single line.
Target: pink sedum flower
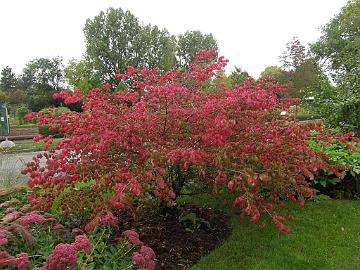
[(3, 237), (82, 243), (147, 252), (33, 217), (145, 259), (109, 219), (64, 255), (139, 260), (133, 237), (11, 215), (20, 261), (77, 231)]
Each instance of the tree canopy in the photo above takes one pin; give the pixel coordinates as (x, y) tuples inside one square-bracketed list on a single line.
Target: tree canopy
[(338, 53), (41, 78), (8, 81), (190, 43), (43, 73), (294, 55), (338, 49), (116, 39), (299, 71)]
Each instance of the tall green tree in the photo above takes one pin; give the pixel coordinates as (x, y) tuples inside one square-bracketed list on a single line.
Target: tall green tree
[(299, 71), (43, 73), (115, 40), (237, 77), (338, 53), (161, 47), (81, 75), (41, 78), (338, 49), (8, 80), (192, 42), (3, 97), (303, 79), (275, 72)]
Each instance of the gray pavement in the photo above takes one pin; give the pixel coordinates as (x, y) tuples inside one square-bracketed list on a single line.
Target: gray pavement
[(11, 165)]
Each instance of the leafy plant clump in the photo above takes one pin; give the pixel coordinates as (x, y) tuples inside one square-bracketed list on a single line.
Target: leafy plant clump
[(338, 149), (30, 239)]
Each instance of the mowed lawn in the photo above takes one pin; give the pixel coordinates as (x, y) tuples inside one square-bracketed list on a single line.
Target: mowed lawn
[(29, 146), (325, 235)]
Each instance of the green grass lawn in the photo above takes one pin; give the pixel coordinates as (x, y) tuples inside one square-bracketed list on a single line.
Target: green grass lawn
[(28, 147), (325, 235)]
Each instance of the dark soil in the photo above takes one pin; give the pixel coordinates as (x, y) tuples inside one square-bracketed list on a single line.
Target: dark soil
[(178, 245)]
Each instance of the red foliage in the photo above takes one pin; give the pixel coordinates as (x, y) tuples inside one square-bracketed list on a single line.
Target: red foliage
[(131, 141)]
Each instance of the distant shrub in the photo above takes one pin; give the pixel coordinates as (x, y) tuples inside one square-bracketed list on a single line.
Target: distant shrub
[(338, 149), (46, 130), (21, 112)]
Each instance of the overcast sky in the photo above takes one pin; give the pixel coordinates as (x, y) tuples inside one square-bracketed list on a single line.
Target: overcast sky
[(251, 33)]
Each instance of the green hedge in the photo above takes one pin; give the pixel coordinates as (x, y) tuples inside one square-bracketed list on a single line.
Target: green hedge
[(44, 130)]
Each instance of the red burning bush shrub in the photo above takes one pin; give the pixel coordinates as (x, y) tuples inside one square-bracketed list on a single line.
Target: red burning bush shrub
[(141, 141)]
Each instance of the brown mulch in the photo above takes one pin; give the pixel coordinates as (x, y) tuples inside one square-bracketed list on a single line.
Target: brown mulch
[(179, 245)]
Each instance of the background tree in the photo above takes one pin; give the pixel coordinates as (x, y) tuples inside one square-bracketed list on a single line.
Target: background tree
[(3, 97), (41, 78), (190, 43), (10, 92), (238, 76), (81, 75), (8, 81), (161, 47), (338, 53), (303, 79), (338, 49), (275, 72), (46, 72), (17, 97), (298, 70), (115, 40), (294, 55)]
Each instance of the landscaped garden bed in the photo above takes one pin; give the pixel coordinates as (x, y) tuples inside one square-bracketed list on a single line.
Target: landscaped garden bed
[(121, 185), (180, 235)]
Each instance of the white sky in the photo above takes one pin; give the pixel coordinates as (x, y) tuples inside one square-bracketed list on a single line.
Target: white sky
[(251, 33)]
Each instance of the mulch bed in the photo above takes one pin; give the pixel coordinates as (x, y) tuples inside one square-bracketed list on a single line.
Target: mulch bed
[(179, 245)]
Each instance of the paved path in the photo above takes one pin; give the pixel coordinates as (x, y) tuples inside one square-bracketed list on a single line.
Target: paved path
[(10, 166)]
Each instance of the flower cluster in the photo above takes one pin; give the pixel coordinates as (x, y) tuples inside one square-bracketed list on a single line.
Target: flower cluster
[(145, 259), (20, 261), (133, 237), (18, 222), (102, 218), (65, 255), (33, 217)]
